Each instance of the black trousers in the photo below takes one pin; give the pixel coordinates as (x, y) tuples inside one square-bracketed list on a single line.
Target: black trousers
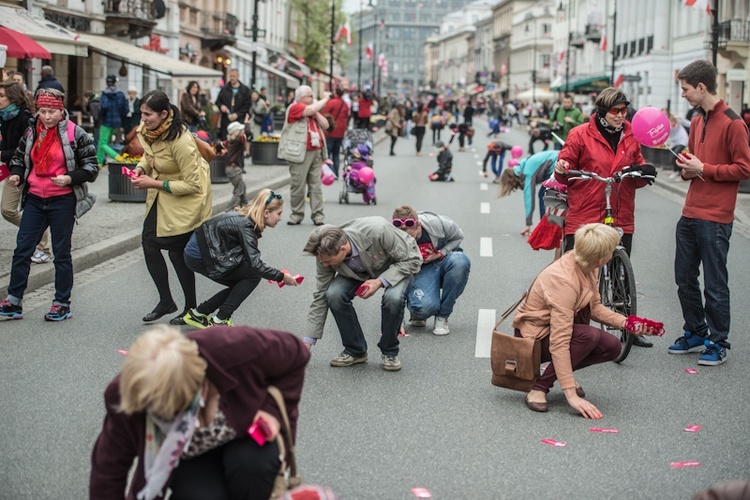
[(240, 283), (237, 470)]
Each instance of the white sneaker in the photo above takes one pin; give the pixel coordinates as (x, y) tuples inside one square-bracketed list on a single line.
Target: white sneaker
[(441, 326), (39, 257)]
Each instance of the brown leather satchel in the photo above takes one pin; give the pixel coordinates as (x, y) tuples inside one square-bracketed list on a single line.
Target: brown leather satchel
[(515, 360), (205, 149), (287, 477)]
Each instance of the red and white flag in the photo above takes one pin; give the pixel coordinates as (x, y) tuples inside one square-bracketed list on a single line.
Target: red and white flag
[(368, 52), (560, 58), (381, 60), (702, 4), (603, 41), (619, 80), (344, 31)]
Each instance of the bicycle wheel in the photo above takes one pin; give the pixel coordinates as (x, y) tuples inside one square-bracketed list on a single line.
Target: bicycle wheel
[(617, 289)]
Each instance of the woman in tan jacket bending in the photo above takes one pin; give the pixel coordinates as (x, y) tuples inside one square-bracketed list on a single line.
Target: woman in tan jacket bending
[(566, 287)]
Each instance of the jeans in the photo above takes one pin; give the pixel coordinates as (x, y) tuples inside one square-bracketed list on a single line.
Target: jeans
[(707, 243), (449, 274), (240, 283), (334, 152), (9, 208), (57, 213), (339, 296), (237, 469), (496, 163)]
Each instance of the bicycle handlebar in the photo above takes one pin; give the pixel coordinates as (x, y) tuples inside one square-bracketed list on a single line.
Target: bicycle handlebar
[(617, 177)]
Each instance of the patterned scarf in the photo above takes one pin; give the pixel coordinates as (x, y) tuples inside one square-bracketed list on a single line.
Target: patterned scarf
[(165, 442), (152, 135), (10, 112), (47, 141)]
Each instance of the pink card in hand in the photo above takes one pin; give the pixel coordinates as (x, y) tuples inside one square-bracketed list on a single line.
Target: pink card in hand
[(678, 465), (553, 442), (691, 371), (421, 493), (4, 172), (693, 428), (361, 290), (120, 351), (604, 431)]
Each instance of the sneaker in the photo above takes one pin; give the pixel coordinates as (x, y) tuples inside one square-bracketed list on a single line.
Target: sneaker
[(39, 257), (8, 310), (215, 321), (441, 326), (713, 355), (690, 342), (196, 319), (58, 313), (345, 359), (419, 323), (391, 362)]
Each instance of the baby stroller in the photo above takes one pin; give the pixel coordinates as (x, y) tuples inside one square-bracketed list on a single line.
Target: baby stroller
[(353, 138), (358, 177)]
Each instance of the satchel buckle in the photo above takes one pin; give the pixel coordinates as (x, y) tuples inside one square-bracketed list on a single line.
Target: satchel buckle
[(511, 365)]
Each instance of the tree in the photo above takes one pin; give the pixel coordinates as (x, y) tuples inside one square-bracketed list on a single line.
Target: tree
[(313, 20)]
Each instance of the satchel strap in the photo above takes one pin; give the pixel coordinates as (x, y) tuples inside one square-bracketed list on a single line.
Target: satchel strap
[(286, 429), (512, 308)]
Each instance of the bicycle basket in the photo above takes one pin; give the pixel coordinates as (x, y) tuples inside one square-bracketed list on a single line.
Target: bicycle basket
[(556, 206)]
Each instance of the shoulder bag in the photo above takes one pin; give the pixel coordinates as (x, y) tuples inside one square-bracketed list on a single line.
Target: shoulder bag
[(287, 477), (205, 149), (515, 360)]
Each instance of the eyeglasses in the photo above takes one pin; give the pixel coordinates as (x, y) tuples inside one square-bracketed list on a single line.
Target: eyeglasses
[(404, 223), (619, 111), (272, 196)]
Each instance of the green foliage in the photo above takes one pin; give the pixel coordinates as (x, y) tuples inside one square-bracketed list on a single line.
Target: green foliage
[(313, 19)]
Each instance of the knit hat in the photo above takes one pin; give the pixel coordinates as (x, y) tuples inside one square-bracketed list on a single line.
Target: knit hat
[(235, 127), (111, 79)]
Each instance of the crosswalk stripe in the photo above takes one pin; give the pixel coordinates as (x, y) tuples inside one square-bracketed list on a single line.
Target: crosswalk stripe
[(484, 208), (485, 247), (483, 186), (485, 324)]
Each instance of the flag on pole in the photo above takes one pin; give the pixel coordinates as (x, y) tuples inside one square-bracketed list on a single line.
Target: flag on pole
[(381, 60), (619, 80), (368, 52), (702, 4), (603, 42), (344, 31), (560, 58)]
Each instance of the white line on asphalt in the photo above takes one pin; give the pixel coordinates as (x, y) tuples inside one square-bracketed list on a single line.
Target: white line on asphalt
[(483, 186), (476, 156), (485, 324), (479, 163), (485, 247), (484, 208)]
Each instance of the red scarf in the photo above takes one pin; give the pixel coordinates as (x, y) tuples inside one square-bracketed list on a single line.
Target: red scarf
[(47, 141)]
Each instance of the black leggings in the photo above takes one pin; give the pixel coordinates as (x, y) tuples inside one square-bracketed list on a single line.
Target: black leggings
[(394, 138), (436, 131), (238, 469), (157, 268), (239, 287), (419, 132)]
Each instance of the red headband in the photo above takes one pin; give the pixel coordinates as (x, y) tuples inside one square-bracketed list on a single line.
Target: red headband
[(46, 100)]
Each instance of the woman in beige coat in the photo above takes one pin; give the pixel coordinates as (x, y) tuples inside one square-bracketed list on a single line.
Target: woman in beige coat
[(179, 198), (563, 289), (394, 124)]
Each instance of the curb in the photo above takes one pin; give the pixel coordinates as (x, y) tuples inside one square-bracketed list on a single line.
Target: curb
[(741, 217), (95, 254)]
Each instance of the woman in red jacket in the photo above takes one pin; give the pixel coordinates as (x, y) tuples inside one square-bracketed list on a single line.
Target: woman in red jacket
[(604, 145)]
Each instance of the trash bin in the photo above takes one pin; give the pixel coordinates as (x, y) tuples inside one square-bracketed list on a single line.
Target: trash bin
[(120, 188), (218, 170), (265, 153)]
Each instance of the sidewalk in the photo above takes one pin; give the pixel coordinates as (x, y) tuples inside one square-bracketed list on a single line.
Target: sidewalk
[(113, 228)]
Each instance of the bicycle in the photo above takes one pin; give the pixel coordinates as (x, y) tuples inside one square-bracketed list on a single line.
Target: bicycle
[(616, 278)]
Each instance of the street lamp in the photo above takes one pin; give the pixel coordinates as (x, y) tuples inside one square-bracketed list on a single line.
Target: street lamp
[(567, 50), (359, 35), (333, 41), (533, 59)]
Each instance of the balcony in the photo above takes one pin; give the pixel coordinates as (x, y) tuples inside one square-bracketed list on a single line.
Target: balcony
[(593, 33), (734, 35), (219, 29), (133, 18)]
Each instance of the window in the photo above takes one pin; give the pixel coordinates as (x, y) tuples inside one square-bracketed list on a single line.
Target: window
[(617, 51), (649, 44), (632, 48), (394, 17), (394, 3), (392, 33), (410, 17), (441, 4), (546, 60), (425, 17), (641, 45), (409, 33), (193, 17)]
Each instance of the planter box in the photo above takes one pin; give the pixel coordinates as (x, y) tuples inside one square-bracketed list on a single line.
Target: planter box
[(120, 188), (264, 153), (218, 170)]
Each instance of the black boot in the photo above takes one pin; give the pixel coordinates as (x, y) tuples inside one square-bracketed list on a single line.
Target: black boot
[(641, 342)]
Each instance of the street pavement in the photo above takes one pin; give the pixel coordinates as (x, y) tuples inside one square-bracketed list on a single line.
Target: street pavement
[(438, 424)]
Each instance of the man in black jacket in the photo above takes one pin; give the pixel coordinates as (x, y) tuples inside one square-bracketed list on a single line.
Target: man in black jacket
[(234, 102)]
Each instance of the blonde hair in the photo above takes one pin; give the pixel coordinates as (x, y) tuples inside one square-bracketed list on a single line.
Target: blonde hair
[(405, 212), (509, 182), (255, 210), (162, 373), (594, 242)]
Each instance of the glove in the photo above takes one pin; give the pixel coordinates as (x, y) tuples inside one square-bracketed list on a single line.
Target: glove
[(646, 169)]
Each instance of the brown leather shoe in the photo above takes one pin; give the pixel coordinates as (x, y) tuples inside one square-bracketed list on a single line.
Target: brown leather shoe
[(540, 407)]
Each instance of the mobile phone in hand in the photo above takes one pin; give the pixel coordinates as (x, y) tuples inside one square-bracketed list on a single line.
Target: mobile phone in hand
[(259, 431)]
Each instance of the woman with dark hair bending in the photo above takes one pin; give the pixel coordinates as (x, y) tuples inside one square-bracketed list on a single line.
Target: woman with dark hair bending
[(179, 198)]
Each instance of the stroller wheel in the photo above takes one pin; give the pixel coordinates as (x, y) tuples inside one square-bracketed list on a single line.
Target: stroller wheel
[(341, 198), (346, 197)]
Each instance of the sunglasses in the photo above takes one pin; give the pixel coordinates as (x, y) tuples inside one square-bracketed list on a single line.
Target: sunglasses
[(404, 223), (272, 196), (619, 111)]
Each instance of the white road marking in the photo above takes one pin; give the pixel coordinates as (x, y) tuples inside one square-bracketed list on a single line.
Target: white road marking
[(484, 208), (476, 156), (485, 247), (483, 186), (479, 163), (485, 324)]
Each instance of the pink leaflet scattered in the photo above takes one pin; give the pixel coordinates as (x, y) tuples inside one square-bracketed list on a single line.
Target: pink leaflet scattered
[(421, 493), (120, 351), (691, 371), (677, 465), (604, 431), (693, 428), (553, 442)]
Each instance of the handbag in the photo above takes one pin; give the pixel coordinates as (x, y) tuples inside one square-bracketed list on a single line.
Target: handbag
[(205, 149), (515, 360), (287, 477)]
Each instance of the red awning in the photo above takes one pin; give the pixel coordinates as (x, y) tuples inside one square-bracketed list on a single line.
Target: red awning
[(22, 47)]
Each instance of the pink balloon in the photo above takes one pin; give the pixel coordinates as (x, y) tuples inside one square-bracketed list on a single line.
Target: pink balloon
[(513, 162), (366, 175), (516, 151), (327, 176), (650, 127)]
